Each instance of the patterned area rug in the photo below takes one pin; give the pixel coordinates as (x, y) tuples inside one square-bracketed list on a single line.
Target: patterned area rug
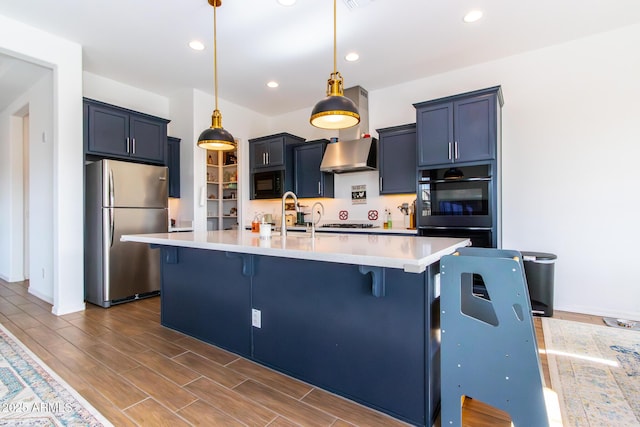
[(31, 394), (596, 372)]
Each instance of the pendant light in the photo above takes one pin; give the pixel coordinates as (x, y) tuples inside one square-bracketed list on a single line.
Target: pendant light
[(216, 138), (336, 111)]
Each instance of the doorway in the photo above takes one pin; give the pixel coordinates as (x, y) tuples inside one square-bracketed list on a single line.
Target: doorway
[(29, 178), (25, 194)]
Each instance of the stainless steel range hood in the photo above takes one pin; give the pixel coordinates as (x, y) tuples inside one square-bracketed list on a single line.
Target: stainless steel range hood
[(352, 153), (350, 156)]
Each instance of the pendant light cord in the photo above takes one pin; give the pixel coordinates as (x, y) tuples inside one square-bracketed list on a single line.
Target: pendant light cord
[(215, 57), (335, 44)]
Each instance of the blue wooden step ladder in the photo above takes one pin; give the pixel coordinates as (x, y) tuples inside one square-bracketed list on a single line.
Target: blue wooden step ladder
[(489, 350)]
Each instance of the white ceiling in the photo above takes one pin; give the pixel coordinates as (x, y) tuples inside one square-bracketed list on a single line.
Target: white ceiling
[(144, 43)]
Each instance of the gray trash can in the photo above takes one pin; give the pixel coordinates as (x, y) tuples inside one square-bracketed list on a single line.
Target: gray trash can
[(539, 271)]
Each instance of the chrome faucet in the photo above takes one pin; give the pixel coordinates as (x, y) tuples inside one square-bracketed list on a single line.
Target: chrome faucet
[(313, 223), (283, 222)]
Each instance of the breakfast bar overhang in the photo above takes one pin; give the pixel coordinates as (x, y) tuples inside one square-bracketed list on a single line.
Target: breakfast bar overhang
[(353, 314)]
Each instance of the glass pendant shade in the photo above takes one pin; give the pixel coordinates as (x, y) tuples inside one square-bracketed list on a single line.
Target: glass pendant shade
[(336, 111), (216, 137)]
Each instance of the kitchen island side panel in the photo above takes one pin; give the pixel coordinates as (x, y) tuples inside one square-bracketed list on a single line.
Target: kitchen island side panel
[(321, 323), (205, 295)]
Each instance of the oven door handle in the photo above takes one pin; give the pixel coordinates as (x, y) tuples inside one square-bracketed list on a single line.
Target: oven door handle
[(474, 179), (432, 227)]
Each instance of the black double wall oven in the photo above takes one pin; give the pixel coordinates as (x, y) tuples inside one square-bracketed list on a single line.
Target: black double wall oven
[(458, 202)]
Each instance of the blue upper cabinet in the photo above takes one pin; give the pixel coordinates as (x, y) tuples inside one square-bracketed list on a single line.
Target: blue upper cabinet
[(397, 146), (115, 132), (269, 152), (458, 129), (309, 181), (173, 163)]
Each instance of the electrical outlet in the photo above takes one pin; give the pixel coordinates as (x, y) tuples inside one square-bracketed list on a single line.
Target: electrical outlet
[(256, 318)]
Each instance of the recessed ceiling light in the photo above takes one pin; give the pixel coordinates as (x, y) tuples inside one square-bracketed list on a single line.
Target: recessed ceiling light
[(286, 2), (472, 16), (196, 45), (352, 56), (273, 84)]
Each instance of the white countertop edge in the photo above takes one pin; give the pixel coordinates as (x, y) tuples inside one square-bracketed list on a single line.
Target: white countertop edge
[(196, 241)]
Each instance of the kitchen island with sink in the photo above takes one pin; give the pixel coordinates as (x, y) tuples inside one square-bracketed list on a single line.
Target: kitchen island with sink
[(354, 314)]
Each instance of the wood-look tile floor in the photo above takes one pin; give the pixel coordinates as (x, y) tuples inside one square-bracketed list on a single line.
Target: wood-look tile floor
[(138, 373)]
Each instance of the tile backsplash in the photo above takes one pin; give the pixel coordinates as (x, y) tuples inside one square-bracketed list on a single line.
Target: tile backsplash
[(356, 206)]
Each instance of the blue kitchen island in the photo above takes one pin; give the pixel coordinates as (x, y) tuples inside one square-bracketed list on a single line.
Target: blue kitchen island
[(353, 314)]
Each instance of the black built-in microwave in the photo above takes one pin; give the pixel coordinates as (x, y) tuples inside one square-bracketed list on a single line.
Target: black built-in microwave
[(268, 185)]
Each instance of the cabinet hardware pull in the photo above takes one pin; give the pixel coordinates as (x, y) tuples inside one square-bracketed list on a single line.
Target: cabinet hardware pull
[(319, 188), (133, 145), (380, 183), (449, 157), (456, 150), (267, 153), (127, 145)]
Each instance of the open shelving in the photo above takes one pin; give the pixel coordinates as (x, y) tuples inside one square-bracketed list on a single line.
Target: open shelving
[(222, 190)]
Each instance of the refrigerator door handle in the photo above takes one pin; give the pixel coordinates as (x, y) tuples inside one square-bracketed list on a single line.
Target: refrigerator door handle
[(112, 196), (111, 226), (112, 201)]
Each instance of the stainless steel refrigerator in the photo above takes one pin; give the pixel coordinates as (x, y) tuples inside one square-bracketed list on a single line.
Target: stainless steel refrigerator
[(122, 198)]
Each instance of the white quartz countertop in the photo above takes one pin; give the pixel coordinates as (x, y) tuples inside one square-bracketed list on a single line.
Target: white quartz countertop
[(410, 253)]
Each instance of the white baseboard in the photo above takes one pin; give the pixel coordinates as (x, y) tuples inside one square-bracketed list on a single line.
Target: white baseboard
[(43, 297), (596, 311)]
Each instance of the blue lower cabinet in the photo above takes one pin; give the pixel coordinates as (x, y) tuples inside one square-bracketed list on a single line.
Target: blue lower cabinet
[(321, 323), (205, 295)]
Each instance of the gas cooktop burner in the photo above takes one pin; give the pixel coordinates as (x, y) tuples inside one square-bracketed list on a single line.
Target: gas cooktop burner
[(347, 225)]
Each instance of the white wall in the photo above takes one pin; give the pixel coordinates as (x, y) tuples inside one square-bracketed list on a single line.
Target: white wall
[(570, 143), (125, 96), (41, 189), (11, 196), (65, 59), (37, 103)]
